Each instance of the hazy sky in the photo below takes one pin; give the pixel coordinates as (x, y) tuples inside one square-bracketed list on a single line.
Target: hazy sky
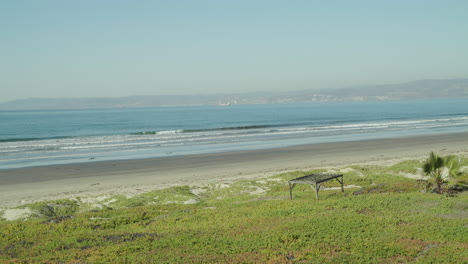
[(118, 48)]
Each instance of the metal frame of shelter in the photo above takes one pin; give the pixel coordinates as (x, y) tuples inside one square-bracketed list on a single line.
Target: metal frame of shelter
[(315, 180)]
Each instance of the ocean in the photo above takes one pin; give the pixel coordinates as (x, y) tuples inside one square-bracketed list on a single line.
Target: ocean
[(47, 137)]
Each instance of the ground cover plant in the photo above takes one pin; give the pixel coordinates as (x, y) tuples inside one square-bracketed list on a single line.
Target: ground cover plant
[(382, 217)]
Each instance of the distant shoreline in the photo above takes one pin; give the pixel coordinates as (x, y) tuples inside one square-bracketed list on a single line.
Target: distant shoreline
[(114, 107), (413, 90), (130, 177)]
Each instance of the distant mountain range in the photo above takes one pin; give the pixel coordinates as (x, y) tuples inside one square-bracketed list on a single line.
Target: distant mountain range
[(422, 89)]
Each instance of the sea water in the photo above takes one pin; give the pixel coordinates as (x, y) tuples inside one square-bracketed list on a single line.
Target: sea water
[(45, 137)]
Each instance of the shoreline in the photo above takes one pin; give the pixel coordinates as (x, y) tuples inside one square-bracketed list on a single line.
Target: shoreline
[(131, 177)]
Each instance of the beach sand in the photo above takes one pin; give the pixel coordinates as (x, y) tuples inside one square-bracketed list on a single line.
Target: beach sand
[(131, 177)]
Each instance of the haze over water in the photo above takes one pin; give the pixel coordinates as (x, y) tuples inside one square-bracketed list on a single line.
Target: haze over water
[(76, 49)]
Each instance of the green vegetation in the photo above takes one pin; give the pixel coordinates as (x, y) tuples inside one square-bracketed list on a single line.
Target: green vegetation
[(440, 170), (387, 219)]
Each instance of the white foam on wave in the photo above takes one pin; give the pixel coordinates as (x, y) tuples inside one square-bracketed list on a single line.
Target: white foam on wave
[(71, 148), (176, 135), (169, 132)]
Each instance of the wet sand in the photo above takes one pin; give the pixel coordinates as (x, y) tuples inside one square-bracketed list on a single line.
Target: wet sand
[(130, 177)]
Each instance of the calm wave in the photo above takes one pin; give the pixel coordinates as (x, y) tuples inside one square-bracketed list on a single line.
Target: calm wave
[(30, 138)]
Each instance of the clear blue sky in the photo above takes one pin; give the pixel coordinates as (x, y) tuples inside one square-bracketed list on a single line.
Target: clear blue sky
[(120, 48)]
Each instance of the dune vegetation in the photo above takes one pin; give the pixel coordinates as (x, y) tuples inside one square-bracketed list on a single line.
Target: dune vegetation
[(384, 216)]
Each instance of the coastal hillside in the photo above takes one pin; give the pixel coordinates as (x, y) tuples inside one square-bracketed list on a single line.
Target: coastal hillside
[(422, 89)]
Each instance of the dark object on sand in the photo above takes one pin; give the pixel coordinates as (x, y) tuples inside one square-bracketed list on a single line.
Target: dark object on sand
[(315, 180)]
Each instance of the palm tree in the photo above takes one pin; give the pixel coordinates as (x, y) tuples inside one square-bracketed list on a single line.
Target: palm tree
[(433, 168), (440, 169)]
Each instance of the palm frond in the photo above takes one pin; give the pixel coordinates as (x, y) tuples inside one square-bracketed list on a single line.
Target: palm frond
[(433, 163), (453, 164)]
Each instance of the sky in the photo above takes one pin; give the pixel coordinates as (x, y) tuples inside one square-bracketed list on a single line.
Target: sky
[(113, 48)]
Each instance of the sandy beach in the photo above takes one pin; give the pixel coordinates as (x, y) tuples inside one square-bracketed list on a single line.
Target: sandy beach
[(130, 177)]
